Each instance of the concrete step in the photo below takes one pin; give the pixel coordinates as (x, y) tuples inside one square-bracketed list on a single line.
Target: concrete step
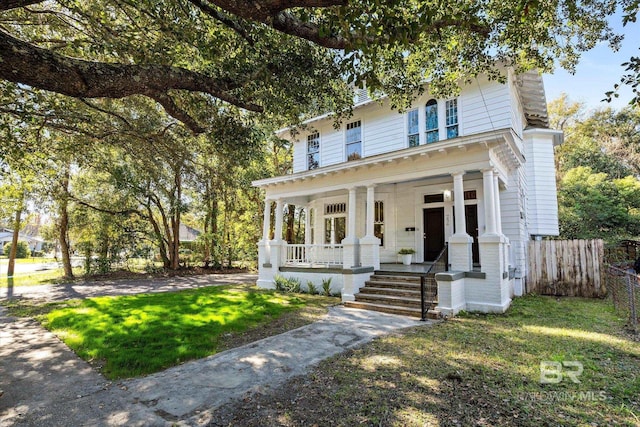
[(391, 300), (380, 277), (385, 308), (392, 285), (399, 292)]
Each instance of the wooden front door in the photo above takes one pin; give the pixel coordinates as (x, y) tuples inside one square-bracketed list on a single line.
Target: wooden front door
[(433, 226)]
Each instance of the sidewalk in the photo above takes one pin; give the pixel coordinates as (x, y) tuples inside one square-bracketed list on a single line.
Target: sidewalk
[(44, 383)]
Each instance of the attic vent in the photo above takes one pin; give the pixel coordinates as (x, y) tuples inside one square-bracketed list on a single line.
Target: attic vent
[(361, 95), (335, 208)]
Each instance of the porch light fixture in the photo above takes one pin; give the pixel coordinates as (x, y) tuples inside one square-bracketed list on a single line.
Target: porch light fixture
[(447, 195)]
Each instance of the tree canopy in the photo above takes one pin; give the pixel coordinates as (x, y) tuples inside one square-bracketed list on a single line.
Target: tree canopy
[(598, 171), (284, 57)]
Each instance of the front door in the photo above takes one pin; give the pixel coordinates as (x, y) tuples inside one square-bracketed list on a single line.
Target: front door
[(433, 220)]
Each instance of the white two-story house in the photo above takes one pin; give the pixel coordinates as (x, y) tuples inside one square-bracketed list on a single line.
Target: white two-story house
[(474, 173)]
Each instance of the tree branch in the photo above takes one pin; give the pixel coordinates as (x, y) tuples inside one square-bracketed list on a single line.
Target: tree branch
[(24, 63), (15, 4)]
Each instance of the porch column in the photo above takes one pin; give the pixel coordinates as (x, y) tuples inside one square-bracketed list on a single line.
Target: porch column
[(307, 225), (266, 271), (460, 254), (278, 246), (370, 244), (350, 242), (496, 294), (277, 232), (266, 221), (371, 202), (496, 194), (489, 202)]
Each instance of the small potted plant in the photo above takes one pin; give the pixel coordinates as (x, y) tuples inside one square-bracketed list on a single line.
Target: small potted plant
[(406, 254)]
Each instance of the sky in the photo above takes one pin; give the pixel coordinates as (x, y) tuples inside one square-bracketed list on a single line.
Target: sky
[(598, 71)]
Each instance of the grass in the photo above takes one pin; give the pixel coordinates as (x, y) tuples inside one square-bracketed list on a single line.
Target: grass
[(30, 260), (35, 278), (128, 336), (475, 370)]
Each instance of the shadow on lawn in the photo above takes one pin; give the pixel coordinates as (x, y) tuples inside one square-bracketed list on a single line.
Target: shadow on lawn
[(135, 335), (475, 370)]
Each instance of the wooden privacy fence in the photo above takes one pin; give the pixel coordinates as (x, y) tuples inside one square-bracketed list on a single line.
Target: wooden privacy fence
[(566, 268)]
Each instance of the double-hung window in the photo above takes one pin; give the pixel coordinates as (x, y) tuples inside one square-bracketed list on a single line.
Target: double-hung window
[(354, 140), (431, 114), (413, 133), (313, 151), (452, 118)]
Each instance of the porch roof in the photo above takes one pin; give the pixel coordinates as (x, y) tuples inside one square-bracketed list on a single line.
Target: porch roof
[(502, 137)]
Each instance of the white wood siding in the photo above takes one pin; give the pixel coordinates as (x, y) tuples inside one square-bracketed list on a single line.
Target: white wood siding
[(484, 106), (300, 153), (542, 203), (331, 145), (384, 130)]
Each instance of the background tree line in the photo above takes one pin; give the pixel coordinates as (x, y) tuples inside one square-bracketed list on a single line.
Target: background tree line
[(598, 171)]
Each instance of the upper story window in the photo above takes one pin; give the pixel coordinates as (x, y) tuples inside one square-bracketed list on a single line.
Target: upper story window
[(313, 151), (354, 140), (413, 133), (431, 114), (452, 118)]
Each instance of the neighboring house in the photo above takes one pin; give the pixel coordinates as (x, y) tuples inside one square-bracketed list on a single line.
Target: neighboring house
[(188, 234), (6, 236), (475, 172)]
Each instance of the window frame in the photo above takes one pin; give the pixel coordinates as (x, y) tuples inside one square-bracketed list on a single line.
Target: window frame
[(311, 137), (431, 105), (349, 143), (451, 114), (415, 134)]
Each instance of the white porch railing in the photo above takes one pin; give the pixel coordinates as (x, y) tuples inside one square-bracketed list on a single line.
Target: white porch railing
[(310, 255)]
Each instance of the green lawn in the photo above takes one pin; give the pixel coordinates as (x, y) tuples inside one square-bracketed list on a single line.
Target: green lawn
[(35, 278), (474, 370), (135, 335), (31, 260)]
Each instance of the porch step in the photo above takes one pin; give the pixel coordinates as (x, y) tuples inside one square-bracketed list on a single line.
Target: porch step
[(391, 285), (396, 278), (413, 292), (385, 308), (393, 292), (391, 300)]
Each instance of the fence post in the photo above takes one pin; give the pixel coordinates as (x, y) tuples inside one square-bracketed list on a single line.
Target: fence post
[(632, 302)]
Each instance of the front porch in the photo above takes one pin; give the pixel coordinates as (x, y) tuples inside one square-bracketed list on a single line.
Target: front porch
[(356, 217)]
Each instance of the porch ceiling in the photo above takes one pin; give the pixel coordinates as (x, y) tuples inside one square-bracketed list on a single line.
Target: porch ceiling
[(469, 153)]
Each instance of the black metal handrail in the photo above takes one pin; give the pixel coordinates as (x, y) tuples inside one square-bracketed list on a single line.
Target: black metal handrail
[(440, 261)]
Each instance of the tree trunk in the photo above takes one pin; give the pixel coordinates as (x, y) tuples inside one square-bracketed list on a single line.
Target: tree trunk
[(210, 225), (63, 226), (174, 234), (63, 237), (14, 240), (291, 217), (162, 248)]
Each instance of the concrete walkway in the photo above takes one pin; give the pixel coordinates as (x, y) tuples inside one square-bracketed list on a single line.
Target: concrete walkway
[(87, 289), (44, 382)]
